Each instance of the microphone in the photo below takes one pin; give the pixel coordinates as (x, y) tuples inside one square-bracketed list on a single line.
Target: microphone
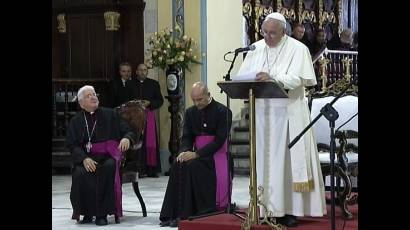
[(248, 48)]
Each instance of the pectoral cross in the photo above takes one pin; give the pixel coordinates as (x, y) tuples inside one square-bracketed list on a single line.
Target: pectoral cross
[(88, 147)]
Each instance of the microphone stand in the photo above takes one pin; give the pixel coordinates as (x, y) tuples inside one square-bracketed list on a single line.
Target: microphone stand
[(331, 115), (227, 77), (229, 209)]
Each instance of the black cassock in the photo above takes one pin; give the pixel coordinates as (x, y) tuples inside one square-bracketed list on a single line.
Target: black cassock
[(92, 194), (119, 93), (192, 185), (148, 90)]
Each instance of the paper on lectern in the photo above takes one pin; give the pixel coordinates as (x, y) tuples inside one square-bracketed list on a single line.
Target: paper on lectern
[(247, 76)]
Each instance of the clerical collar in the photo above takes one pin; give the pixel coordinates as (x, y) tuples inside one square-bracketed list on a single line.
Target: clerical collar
[(90, 113), (141, 81), (207, 106)]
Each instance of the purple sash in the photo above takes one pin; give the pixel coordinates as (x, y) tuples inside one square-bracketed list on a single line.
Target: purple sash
[(110, 147), (150, 139), (221, 170)]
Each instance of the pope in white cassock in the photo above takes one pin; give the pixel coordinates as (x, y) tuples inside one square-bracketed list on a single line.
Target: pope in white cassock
[(292, 178)]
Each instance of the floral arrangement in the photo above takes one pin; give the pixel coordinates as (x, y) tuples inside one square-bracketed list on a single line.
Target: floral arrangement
[(172, 48)]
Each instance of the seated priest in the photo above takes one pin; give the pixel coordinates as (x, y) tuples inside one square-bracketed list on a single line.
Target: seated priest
[(96, 137), (193, 184)]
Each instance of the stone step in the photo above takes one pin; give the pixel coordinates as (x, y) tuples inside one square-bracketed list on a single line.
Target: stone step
[(243, 141), (240, 163), (240, 155), (240, 135), (240, 149), (241, 166), (241, 171), (241, 129)]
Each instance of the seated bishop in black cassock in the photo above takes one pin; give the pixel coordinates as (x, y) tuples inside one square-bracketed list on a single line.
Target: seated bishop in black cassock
[(194, 187), (96, 138)]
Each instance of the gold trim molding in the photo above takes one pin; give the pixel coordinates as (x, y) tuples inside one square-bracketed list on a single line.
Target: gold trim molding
[(62, 28), (112, 20)]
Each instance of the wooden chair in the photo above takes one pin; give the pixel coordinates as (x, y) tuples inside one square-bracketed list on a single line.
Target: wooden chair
[(346, 162), (346, 165), (134, 114)]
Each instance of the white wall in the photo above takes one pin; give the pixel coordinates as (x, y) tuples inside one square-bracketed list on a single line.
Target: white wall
[(224, 33)]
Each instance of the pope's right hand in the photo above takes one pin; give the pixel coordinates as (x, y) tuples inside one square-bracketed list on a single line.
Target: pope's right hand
[(262, 76)]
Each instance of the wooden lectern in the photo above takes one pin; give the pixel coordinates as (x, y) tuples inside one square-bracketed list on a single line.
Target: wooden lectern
[(251, 90)]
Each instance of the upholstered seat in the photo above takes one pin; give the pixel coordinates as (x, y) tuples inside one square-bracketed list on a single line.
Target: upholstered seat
[(352, 157)]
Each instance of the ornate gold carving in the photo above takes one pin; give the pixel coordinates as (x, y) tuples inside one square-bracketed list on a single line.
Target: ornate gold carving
[(247, 9), (329, 17), (61, 23), (300, 11), (308, 16), (279, 5), (271, 222), (346, 64), (341, 84), (288, 13), (258, 13), (112, 20), (323, 66), (320, 14), (268, 10), (325, 17)]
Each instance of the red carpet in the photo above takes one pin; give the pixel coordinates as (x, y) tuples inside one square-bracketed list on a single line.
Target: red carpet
[(231, 222)]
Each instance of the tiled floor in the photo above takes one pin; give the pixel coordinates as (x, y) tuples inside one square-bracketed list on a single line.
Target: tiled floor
[(152, 190)]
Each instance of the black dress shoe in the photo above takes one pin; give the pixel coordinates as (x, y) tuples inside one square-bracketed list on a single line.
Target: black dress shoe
[(86, 220), (174, 223), (165, 223), (288, 220), (154, 175), (101, 220)]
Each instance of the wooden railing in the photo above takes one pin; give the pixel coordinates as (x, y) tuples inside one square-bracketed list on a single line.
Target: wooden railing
[(335, 68)]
